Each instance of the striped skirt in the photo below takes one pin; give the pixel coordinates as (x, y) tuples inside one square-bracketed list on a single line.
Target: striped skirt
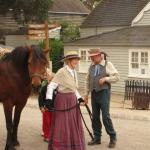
[(66, 129)]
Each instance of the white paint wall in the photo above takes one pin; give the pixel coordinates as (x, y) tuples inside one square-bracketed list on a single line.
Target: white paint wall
[(143, 18)]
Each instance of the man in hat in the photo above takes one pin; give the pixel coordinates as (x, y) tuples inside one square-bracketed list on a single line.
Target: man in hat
[(100, 75)]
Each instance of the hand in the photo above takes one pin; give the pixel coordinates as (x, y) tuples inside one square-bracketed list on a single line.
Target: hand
[(86, 99), (80, 100), (42, 109), (49, 104), (102, 81)]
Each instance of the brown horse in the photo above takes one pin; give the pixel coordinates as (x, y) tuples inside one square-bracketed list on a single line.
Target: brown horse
[(21, 69)]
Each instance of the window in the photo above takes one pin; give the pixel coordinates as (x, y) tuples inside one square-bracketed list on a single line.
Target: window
[(84, 61), (139, 63), (84, 55), (134, 60)]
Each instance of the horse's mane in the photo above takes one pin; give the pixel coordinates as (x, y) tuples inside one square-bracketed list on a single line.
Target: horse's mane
[(19, 56)]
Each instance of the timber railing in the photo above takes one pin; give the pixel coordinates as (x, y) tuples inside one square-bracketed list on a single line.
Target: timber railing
[(138, 91)]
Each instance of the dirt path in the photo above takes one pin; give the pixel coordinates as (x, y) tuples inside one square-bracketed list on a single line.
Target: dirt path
[(131, 134)]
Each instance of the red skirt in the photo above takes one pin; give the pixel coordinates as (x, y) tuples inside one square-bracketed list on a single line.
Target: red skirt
[(46, 124), (66, 130)]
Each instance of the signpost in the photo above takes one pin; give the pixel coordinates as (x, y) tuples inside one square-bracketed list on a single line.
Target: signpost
[(41, 32)]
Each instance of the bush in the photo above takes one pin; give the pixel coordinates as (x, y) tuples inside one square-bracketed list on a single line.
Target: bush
[(57, 50), (56, 54)]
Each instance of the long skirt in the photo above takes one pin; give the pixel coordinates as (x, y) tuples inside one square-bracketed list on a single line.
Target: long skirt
[(66, 130), (46, 124)]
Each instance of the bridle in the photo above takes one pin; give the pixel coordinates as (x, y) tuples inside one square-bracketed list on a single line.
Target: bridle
[(41, 76)]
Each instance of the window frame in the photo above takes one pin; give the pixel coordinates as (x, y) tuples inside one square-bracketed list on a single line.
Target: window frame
[(138, 74), (85, 62)]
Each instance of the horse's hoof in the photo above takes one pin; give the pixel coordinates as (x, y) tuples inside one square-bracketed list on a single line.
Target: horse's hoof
[(16, 143), (9, 148)]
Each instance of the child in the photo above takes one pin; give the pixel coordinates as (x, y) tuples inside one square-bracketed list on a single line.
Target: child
[(46, 115)]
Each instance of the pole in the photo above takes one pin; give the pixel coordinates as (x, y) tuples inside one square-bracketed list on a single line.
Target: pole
[(47, 42), (46, 36)]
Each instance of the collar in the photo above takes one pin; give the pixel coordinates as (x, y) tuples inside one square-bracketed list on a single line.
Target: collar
[(69, 69), (101, 63)]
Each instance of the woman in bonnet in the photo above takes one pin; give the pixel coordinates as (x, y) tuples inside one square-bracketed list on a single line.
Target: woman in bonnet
[(67, 131)]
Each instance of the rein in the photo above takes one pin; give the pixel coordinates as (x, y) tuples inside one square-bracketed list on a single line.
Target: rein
[(75, 106), (90, 134), (68, 109)]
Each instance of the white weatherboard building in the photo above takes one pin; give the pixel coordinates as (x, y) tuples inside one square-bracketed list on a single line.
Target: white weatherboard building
[(121, 28)]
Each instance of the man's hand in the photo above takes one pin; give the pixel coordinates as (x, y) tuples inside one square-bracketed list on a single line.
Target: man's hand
[(102, 81)]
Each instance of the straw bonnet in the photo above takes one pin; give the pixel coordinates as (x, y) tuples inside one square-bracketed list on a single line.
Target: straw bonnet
[(94, 52), (70, 54)]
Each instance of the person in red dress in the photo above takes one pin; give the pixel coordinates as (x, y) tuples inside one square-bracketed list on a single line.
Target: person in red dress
[(46, 115)]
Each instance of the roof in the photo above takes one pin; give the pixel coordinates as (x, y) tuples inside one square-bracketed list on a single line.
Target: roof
[(68, 6), (131, 36), (114, 13)]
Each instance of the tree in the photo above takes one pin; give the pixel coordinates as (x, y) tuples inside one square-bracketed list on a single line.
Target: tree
[(69, 31), (57, 47), (36, 10), (91, 4), (56, 54)]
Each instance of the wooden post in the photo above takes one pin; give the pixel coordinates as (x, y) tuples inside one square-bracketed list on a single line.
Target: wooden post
[(46, 35), (47, 41)]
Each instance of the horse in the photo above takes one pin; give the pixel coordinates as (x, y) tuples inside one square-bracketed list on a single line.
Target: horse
[(20, 69)]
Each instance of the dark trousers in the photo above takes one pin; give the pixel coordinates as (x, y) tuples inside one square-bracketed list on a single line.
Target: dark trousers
[(101, 103)]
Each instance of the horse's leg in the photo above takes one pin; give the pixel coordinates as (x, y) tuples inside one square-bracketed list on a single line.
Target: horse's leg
[(17, 114), (8, 108)]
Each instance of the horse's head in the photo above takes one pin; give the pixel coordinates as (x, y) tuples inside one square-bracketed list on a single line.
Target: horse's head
[(37, 64)]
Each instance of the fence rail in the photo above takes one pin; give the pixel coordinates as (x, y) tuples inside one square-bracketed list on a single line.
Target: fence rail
[(138, 91)]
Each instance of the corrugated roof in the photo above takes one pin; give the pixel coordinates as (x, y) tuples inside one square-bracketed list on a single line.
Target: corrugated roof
[(131, 36), (114, 13), (69, 6)]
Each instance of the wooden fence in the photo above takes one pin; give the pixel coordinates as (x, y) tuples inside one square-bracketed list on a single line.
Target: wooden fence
[(138, 91)]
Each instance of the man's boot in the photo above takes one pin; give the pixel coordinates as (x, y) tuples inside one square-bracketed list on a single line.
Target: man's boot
[(94, 142), (112, 143)]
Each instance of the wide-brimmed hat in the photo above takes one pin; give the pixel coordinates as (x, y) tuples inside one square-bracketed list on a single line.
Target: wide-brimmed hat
[(70, 55), (104, 53), (94, 52)]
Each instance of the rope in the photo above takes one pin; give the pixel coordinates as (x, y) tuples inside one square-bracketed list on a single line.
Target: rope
[(91, 135)]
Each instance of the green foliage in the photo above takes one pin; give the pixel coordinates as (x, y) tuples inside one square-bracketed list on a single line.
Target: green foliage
[(91, 4), (57, 50), (36, 10), (69, 31), (56, 54)]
